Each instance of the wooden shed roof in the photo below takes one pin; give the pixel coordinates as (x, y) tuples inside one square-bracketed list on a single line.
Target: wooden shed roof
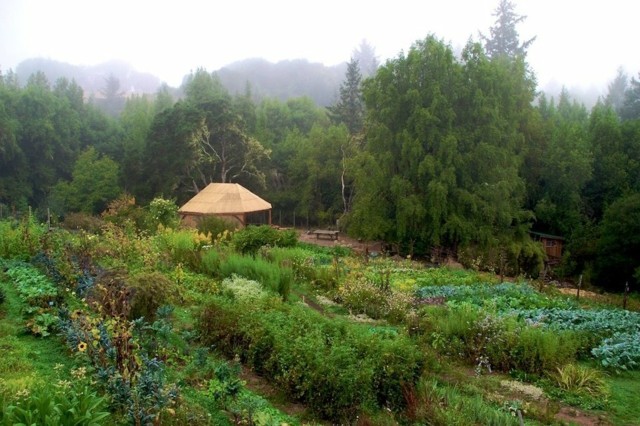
[(224, 199)]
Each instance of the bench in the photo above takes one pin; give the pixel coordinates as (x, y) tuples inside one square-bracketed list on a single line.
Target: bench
[(324, 233)]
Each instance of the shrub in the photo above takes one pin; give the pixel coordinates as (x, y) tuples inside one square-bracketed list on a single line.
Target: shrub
[(180, 246), (82, 221), (162, 212), (213, 226), (150, 290), (533, 349), (123, 211), (502, 343), (244, 289), (251, 238), (363, 297), (300, 350), (269, 275), (20, 240), (210, 262)]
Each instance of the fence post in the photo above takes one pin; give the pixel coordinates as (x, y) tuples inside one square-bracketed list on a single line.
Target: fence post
[(626, 294), (579, 287)]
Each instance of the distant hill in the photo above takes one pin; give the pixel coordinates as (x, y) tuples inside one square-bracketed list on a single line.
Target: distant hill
[(282, 80), (92, 79), (285, 79)]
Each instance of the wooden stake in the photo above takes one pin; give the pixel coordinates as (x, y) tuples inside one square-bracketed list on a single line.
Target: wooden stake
[(579, 287), (626, 294)]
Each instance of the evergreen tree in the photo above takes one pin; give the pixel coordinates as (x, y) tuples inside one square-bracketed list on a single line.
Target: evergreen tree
[(504, 38), (616, 91), (631, 106), (349, 109), (366, 57)]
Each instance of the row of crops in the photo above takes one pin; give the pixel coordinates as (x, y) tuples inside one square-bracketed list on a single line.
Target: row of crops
[(165, 324)]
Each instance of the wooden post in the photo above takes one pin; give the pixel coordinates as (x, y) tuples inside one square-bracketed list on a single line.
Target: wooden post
[(626, 295), (579, 287)]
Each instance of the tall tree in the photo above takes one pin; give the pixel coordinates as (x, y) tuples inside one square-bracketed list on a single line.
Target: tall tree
[(349, 109), (616, 91), (365, 55), (93, 186), (619, 246), (630, 109), (434, 124), (504, 39), (566, 167), (136, 119), (113, 98)]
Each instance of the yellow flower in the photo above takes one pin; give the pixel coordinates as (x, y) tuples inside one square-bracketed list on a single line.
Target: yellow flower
[(82, 346)]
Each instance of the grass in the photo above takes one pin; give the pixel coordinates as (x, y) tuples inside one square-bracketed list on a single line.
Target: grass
[(25, 359), (624, 401)]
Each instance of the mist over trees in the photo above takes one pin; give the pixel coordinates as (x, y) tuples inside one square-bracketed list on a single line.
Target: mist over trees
[(428, 151)]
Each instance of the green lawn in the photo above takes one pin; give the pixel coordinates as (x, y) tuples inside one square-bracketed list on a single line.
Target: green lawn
[(625, 398)]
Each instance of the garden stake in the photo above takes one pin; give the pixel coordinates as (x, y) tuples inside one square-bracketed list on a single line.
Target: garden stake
[(626, 294), (579, 287)]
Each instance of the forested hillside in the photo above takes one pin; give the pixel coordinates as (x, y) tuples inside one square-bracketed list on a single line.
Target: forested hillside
[(433, 150)]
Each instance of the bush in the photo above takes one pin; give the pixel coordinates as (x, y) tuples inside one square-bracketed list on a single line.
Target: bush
[(162, 212), (210, 262), (464, 331), (20, 240), (180, 246), (271, 276), (150, 290), (213, 226), (251, 238), (123, 211), (82, 221), (300, 350)]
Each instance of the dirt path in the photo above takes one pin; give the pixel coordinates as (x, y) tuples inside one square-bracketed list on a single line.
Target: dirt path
[(261, 386), (343, 240)]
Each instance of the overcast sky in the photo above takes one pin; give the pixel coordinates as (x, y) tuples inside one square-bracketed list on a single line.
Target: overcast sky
[(579, 43)]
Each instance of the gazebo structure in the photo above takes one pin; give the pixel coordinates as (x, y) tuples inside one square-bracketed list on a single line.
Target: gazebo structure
[(225, 200)]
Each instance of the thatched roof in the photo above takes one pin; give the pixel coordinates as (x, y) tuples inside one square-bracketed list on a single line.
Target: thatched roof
[(224, 199)]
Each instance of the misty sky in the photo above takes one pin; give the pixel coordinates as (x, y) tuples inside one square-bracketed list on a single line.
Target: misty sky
[(579, 43)]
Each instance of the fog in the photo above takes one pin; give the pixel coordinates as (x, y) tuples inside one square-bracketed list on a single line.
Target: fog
[(579, 44)]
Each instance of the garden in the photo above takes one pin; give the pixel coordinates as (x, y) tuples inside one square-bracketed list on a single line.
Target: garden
[(128, 318)]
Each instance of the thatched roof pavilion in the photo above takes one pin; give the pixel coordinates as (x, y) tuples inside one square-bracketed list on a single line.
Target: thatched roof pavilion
[(226, 200)]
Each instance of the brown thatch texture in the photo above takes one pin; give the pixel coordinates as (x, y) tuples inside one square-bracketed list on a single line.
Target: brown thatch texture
[(224, 199)]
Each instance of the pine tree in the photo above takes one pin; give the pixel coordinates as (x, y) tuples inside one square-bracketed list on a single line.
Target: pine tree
[(349, 109), (504, 39)]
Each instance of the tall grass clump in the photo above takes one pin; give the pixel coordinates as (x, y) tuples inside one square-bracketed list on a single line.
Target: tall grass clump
[(210, 262), (466, 332), (271, 276), (440, 404)]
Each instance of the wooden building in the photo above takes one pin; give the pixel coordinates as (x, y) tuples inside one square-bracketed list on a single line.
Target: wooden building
[(552, 245)]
